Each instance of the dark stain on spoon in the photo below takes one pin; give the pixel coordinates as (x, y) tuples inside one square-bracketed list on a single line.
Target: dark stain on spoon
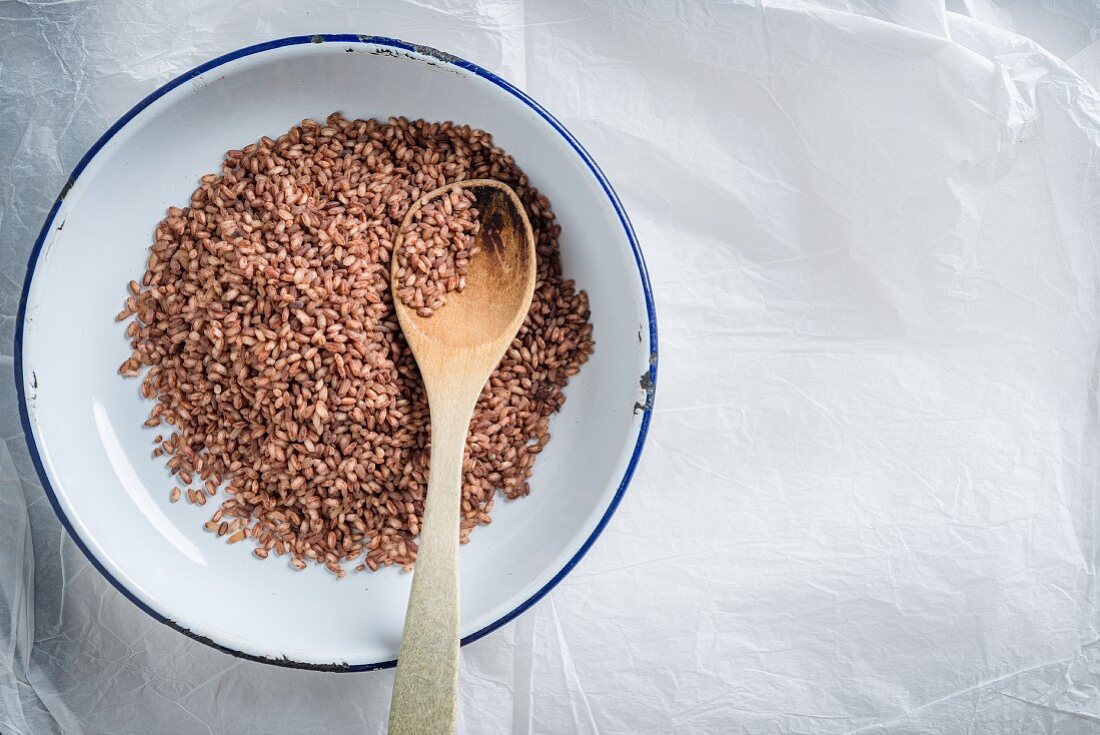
[(499, 217), (493, 241)]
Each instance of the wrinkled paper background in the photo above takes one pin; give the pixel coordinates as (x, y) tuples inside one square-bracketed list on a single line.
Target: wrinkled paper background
[(869, 501)]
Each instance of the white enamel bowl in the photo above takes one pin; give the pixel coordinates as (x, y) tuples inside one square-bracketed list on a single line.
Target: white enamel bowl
[(83, 422)]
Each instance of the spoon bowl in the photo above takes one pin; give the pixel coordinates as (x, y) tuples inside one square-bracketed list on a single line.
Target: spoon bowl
[(500, 279)]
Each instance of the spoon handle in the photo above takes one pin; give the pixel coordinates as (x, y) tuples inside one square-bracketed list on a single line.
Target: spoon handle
[(425, 689)]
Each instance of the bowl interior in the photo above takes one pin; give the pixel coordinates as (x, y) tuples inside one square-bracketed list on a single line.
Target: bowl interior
[(85, 422)]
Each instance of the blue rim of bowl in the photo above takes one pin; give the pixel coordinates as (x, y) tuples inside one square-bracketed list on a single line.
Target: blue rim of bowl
[(648, 380)]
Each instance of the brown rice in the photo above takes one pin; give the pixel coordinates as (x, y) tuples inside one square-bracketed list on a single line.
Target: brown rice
[(267, 325), (436, 247)]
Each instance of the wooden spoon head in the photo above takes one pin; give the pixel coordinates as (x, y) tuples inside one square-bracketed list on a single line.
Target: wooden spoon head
[(482, 320)]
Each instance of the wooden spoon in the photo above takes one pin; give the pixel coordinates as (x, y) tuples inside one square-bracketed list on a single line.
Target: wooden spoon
[(456, 349)]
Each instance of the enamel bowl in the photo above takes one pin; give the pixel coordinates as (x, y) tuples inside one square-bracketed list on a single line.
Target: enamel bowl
[(84, 423)]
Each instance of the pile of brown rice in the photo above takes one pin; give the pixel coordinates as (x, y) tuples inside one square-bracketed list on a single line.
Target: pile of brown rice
[(436, 247), (267, 324)]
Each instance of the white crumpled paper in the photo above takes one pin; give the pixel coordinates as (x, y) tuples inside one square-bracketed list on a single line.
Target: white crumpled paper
[(869, 500)]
